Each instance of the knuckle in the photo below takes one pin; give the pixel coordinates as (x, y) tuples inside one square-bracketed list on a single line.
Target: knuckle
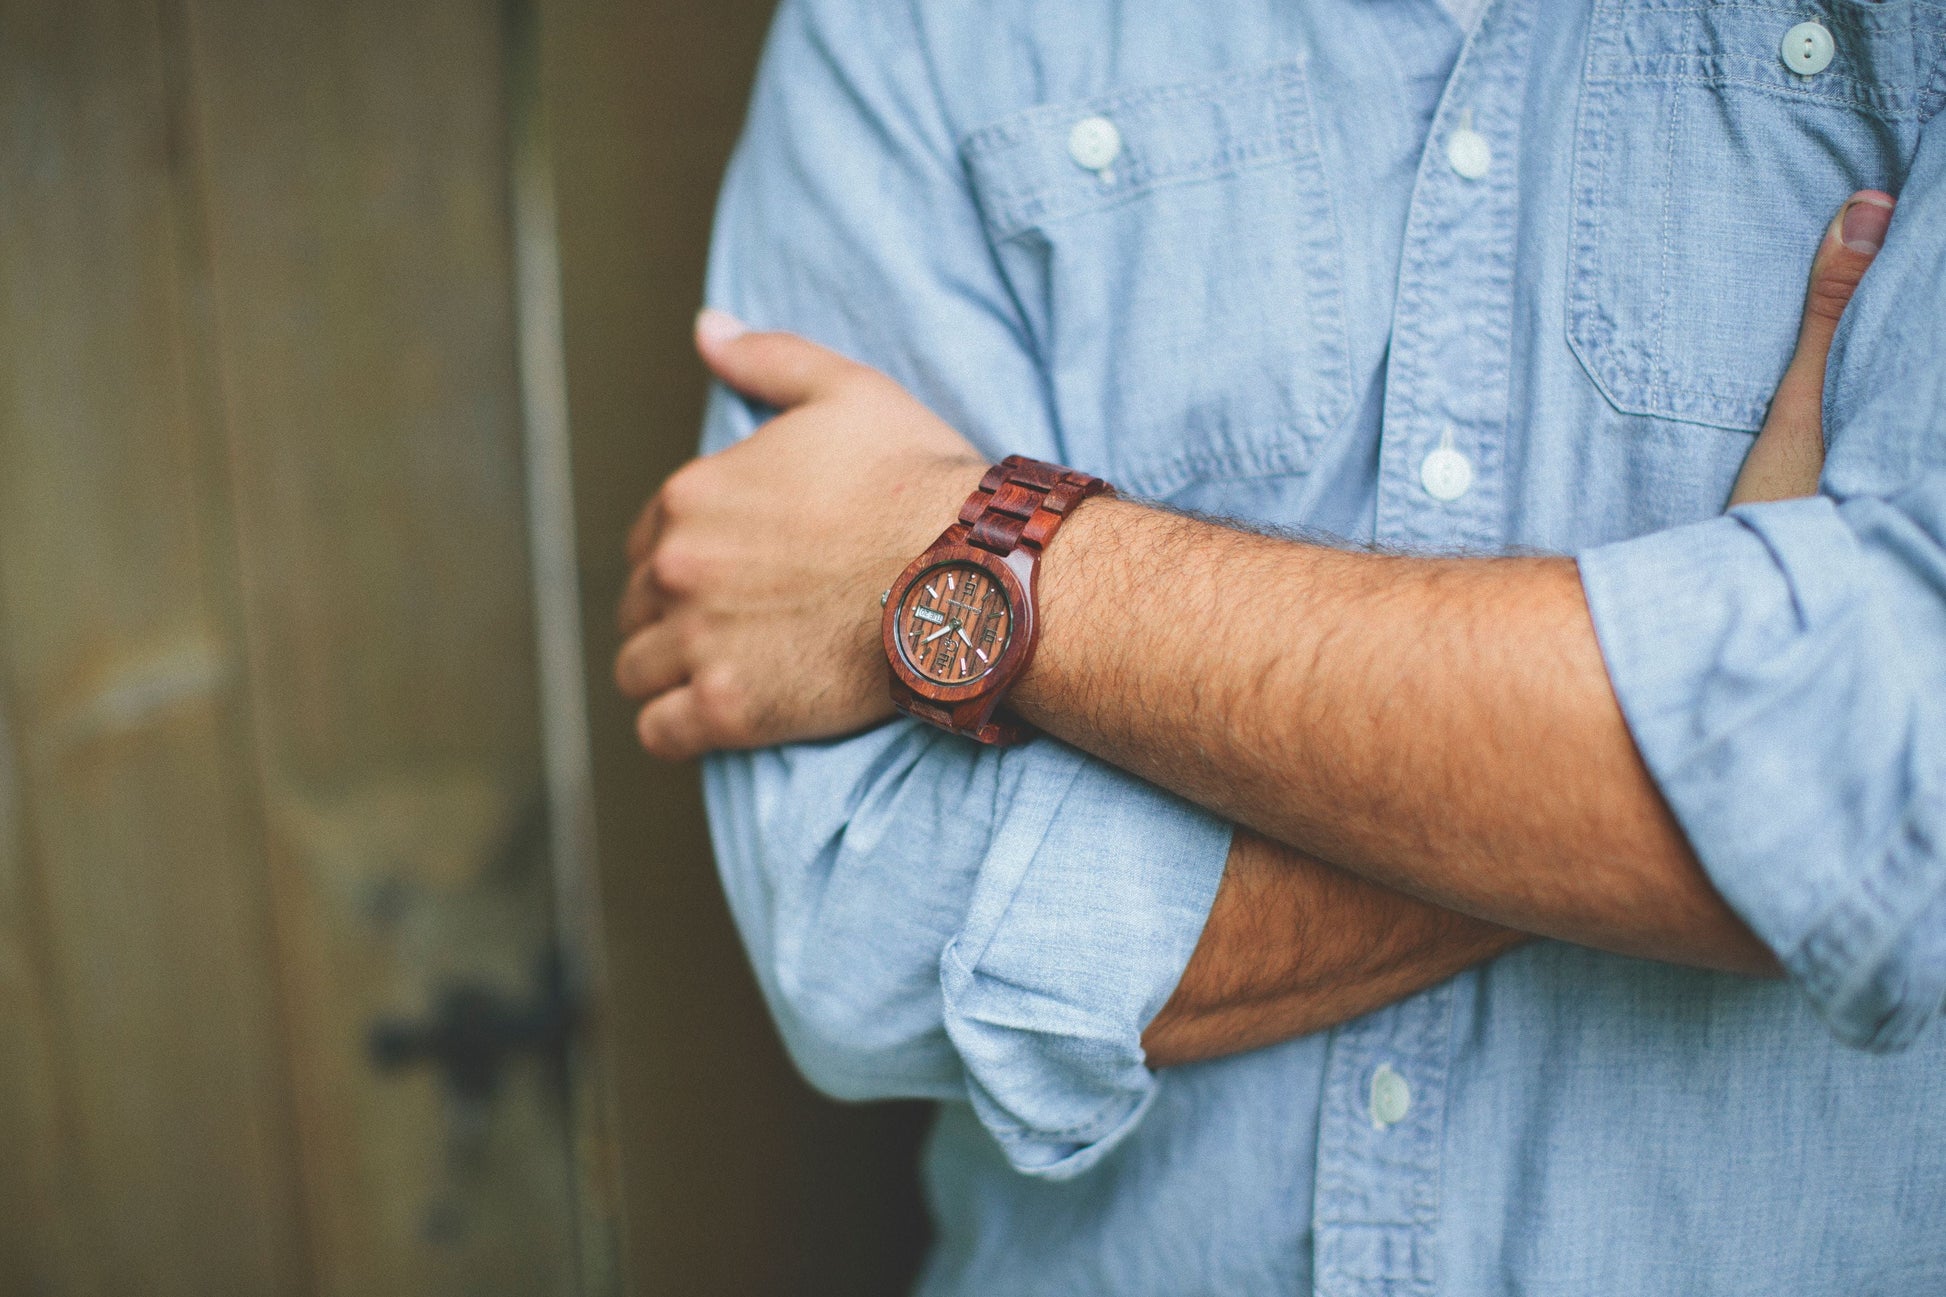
[(722, 703), (687, 490), (673, 567), (659, 735)]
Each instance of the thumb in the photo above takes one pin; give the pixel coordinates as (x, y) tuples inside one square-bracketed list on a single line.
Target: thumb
[(1849, 246), (776, 369), (1788, 455)]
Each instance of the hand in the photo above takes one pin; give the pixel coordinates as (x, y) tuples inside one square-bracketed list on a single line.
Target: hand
[(1788, 456), (751, 614)]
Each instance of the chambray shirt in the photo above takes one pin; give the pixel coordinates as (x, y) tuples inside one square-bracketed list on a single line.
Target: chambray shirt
[(1340, 264)]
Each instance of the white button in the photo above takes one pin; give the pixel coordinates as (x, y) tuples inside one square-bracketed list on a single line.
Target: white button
[(1446, 474), (1094, 143), (1808, 49), (1391, 1097), (1469, 153)]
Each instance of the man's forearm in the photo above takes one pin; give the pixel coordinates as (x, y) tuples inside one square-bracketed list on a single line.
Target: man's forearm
[(1446, 727), (1294, 946), (1440, 726)]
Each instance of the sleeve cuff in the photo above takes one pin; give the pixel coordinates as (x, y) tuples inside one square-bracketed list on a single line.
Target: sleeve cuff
[(1769, 692), (1072, 945)]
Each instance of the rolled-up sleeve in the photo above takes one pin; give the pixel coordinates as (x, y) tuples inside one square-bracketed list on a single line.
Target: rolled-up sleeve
[(928, 917), (1069, 942), (1783, 669)]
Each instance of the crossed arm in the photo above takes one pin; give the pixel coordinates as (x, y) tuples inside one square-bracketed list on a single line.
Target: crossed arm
[(1442, 732)]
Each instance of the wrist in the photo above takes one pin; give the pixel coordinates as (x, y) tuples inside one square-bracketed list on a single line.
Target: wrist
[(1072, 579), (920, 504)]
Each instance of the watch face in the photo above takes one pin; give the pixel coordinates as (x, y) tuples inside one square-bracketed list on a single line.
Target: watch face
[(954, 622)]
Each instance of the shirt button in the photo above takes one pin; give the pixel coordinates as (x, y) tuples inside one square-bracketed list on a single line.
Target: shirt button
[(1469, 153), (1094, 143), (1391, 1097), (1808, 49), (1446, 474)]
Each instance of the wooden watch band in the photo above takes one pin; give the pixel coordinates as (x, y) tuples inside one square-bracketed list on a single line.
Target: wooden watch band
[(1021, 501)]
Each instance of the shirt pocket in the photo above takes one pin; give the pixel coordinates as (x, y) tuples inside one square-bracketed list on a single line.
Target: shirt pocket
[(1175, 253), (1706, 171)]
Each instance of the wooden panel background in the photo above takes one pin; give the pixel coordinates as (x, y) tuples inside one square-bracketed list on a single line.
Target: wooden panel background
[(270, 743), (268, 735), (737, 1178)]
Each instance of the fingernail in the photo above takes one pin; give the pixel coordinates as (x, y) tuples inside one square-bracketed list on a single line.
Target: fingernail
[(1867, 218), (714, 326)]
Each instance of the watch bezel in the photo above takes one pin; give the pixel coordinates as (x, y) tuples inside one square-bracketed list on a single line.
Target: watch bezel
[(1020, 632)]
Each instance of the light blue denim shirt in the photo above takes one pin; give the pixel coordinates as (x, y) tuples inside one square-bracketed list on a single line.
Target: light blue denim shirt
[(1339, 264)]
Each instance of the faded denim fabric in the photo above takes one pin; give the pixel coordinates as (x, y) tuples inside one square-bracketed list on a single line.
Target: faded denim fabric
[(1276, 300)]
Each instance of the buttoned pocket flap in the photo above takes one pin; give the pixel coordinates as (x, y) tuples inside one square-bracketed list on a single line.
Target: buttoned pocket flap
[(1175, 252)]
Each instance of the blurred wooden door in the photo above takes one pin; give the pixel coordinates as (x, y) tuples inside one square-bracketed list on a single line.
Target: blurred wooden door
[(738, 1179), (302, 571), (275, 794)]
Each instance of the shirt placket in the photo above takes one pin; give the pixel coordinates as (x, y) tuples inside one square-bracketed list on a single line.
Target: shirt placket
[(1442, 451), (1379, 1141), (1442, 468)]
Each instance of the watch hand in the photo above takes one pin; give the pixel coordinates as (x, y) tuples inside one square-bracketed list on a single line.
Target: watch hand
[(964, 636), (943, 630)]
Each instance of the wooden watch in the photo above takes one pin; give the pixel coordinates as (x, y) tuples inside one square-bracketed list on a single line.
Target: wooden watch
[(959, 625)]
